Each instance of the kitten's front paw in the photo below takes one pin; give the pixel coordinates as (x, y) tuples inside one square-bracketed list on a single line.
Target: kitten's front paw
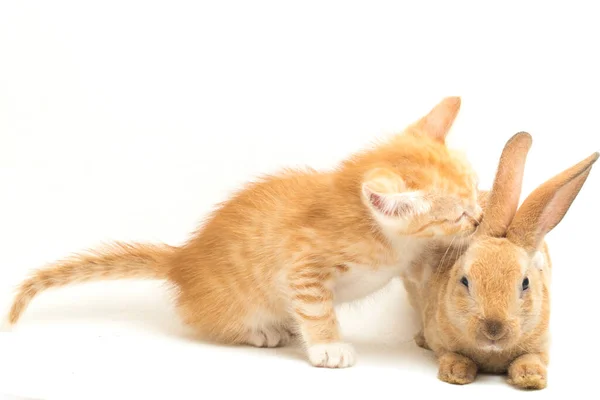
[(457, 369), (530, 374), (332, 355)]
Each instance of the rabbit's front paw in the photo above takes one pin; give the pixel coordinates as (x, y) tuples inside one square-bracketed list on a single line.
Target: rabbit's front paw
[(456, 369), (528, 372)]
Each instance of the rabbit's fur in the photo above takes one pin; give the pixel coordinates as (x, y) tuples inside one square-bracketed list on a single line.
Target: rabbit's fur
[(486, 306)]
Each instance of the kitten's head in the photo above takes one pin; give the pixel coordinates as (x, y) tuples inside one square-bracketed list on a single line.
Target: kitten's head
[(415, 185)]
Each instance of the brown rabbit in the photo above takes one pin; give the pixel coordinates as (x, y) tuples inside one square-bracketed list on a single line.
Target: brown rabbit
[(487, 308)]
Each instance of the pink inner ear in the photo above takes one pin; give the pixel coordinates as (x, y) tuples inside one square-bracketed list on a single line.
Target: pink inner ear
[(379, 203), (391, 206)]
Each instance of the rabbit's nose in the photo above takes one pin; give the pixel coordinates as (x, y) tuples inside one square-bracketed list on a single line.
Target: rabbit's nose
[(494, 329)]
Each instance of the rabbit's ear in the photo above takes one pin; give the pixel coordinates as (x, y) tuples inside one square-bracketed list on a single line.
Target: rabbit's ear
[(483, 197), (546, 206), (503, 199)]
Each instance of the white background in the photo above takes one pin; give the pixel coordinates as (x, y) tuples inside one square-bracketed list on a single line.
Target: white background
[(130, 119)]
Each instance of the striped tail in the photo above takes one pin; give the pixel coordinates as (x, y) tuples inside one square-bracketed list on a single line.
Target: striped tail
[(116, 261)]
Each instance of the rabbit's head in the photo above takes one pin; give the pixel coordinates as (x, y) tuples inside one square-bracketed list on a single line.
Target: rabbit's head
[(497, 292)]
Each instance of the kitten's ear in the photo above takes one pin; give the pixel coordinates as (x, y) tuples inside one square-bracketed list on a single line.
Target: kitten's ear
[(386, 193), (438, 122)]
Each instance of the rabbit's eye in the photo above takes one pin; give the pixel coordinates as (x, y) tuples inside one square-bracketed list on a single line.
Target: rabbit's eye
[(465, 281), (525, 284)]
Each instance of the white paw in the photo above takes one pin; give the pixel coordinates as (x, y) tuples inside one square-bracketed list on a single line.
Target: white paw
[(332, 355), (273, 337)]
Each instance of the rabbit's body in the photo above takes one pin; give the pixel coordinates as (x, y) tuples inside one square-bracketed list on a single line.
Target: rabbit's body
[(426, 282), (485, 302)]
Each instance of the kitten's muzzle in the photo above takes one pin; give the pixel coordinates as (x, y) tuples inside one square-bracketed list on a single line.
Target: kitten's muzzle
[(474, 221)]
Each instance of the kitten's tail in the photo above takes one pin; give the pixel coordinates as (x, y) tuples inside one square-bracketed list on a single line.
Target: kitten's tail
[(117, 261)]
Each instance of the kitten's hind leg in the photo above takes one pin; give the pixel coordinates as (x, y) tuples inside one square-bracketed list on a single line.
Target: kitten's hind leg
[(273, 336), (267, 328), (235, 325), (242, 332)]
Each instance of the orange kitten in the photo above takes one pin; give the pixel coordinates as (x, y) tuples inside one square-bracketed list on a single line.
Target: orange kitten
[(271, 262)]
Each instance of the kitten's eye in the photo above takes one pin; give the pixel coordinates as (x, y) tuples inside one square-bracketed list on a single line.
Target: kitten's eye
[(525, 284), (465, 281)]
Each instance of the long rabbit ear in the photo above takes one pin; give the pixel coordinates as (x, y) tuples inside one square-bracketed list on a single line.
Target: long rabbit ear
[(483, 197), (546, 206), (503, 199)]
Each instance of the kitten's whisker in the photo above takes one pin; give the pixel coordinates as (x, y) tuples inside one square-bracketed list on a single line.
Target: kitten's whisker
[(439, 267)]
